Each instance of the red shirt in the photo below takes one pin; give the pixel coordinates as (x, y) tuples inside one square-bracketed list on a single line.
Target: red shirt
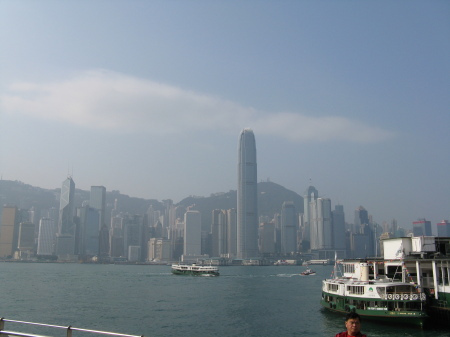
[(345, 334)]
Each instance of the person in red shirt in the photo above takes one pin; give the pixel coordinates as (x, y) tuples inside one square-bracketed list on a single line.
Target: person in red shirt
[(353, 325)]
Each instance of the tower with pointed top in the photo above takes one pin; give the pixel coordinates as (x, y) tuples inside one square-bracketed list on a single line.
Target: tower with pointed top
[(247, 197), (66, 225), (65, 238)]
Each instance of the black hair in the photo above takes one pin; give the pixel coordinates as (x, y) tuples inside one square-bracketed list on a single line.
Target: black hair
[(352, 315)]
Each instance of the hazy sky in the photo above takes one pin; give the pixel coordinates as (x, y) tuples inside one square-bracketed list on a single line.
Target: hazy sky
[(149, 98)]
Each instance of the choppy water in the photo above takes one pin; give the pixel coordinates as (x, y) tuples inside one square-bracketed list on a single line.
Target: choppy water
[(150, 301)]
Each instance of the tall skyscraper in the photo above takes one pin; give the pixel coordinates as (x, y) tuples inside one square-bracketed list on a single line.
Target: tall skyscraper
[(66, 225), (89, 220), (289, 224), (338, 227), (219, 233), (247, 197), (132, 235), (311, 194), (422, 227), (97, 201), (267, 238), (443, 228), (65, 239), (361, 218), (46, 237), (25, 242), (321, 228), (9, 231), (232, 231), (192, 233)]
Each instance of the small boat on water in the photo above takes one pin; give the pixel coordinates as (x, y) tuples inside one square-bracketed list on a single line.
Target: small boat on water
[(195, 270), (308, 272)]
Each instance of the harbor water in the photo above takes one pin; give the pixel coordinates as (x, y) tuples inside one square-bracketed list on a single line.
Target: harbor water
[(149, 300)]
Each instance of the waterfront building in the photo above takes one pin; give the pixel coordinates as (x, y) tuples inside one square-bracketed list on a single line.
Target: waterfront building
[(338, 218), (117, 242), (97, 201), (289, 227), (34, 216), (361, 218), (66, 224), (89, 222), (311, 194), (320, 227), (132, 235), (9, 231), (115, 232), (277, 222), (46, 237), (443, 228), (247, 197), (134, 253), (232, 232), (219, 233), (159, 250), (65, 247), (267, 238), (361, 245), (422, 227), (25, 241), (192, 233)]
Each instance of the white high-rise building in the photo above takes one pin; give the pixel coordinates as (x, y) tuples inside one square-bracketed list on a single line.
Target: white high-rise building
[(247, 197), (192, 233), (311, 194), (219, 231), (321, 230), (46, 237)]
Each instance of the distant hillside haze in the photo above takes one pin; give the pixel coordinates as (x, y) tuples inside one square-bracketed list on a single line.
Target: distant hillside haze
[(270, 200)]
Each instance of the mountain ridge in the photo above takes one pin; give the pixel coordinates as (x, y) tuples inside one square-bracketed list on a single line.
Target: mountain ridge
[(270, 199)]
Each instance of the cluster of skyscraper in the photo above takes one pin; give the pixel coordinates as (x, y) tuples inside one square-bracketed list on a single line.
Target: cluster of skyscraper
[(86, 232)]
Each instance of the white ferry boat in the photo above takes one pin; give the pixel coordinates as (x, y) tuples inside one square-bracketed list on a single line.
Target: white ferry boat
[(378, 297), (195, 270)]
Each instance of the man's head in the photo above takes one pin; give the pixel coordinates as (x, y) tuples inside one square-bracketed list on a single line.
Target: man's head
[(353, 323)]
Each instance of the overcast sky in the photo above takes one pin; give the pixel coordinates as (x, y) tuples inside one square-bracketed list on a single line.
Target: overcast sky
[(149, 98)]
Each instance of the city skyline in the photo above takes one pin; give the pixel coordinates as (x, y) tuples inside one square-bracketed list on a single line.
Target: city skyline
[(157, 234), (148, 98)]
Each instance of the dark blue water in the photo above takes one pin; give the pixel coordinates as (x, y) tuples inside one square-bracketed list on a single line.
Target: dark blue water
[(150, 301)]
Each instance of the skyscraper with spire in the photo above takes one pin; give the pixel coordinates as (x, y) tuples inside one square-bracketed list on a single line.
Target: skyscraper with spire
[(247, 197), (65, 239), (66, 225)]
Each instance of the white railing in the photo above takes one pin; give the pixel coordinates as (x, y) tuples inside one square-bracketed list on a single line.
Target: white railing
[(68, 330)]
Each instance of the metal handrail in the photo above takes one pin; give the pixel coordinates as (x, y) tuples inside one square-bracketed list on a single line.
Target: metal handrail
[(68, 329)]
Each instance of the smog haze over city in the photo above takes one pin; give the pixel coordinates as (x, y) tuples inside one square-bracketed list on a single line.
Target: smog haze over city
[(149, 98)]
